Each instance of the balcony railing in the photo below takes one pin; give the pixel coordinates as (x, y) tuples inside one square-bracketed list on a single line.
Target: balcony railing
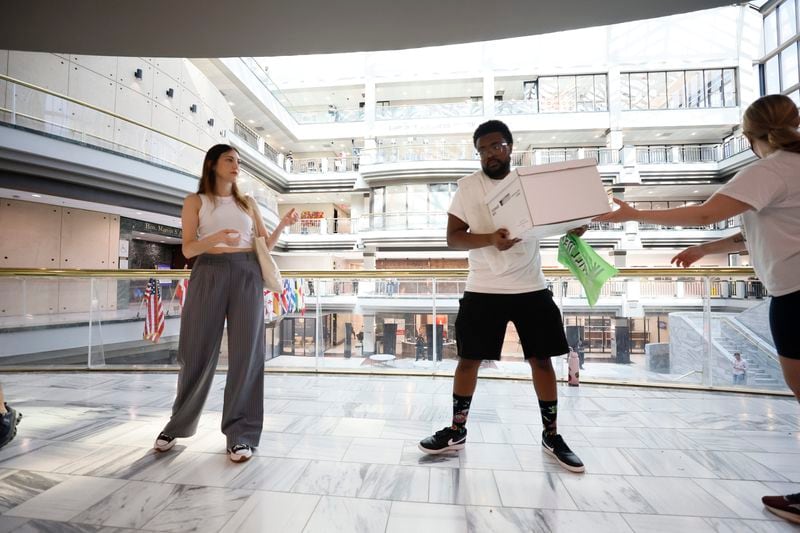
[(423, 111), (313, 165), (682, 330)]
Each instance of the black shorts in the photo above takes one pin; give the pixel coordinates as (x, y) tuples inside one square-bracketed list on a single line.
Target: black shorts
[(784, 314), (482, 320)]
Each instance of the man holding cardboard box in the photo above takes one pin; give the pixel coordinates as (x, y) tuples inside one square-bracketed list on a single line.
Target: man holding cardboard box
[(505, 283)]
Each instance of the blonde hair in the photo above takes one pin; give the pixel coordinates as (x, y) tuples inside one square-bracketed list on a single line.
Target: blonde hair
[(773, 118)]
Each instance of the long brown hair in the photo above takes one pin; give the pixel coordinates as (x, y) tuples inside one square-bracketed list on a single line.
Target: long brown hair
[(208, 180), (774, 119)]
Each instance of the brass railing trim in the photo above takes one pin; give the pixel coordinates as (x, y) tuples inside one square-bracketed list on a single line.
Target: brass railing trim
[(96, 108), (443, 274)]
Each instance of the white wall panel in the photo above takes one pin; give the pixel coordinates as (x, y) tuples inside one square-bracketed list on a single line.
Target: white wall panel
[(3, 70), (164, 119), (91, 87), (189, 132), (133, 105), (126, 68), (161, 83), (46, 70), (169, 66), (31, 235), (102, 65)]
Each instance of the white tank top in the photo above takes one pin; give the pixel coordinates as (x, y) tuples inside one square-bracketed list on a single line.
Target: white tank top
[(225, 213)]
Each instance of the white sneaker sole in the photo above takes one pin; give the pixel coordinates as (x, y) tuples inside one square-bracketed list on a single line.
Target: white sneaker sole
[(236, 458), (576, 469), (791, 517), (164, 447), (453, 448)]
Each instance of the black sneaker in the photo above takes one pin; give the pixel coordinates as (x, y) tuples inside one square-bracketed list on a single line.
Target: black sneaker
[(8, 425), (164, 442), (787, 507), (444, 440), (555, 446)]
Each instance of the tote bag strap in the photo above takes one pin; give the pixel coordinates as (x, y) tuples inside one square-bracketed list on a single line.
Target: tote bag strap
[(252, 202)]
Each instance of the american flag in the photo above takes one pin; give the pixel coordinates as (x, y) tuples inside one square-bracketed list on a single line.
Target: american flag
[(154, 312)]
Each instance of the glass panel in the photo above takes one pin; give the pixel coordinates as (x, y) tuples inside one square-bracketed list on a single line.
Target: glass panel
[(789, 72), (548, 95), (695, 92), (440, 197), (566, 94), (657, 90), (729, 87), (676, 90), (787, 21), (625, 91), (600, 92), (714, 88), (772, 80), (585, 90), (418, 206), (378, 207), (639, 90), (396, 206), (795, 95), (770, 32)]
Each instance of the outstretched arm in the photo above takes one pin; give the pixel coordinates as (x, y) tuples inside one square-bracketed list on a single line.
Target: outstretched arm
[(734, 243), (718, 207)]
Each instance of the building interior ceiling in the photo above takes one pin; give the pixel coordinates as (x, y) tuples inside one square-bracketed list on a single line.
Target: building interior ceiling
[(205, 28)]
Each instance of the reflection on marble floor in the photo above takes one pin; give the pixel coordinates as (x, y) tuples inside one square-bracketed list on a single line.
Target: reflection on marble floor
[(338, 454)]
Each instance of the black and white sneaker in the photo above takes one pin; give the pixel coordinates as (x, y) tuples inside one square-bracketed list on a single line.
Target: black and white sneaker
[(555, 446), (8, 425), (240, 453), (164, 442), (444, 440)]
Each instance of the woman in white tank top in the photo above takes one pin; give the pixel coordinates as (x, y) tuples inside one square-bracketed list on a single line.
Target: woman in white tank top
[(225, 288)]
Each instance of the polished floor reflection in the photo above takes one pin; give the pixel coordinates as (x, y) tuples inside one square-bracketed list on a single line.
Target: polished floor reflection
[(339, 454)]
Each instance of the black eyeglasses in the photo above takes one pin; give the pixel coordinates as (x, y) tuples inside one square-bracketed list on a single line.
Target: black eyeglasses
[(495, 148)]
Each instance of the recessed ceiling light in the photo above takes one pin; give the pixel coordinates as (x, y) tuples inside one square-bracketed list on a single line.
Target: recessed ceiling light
[(231, 103), (268, 135), (251, 121), (138, 212), (553, 137), (283, 148), (694, 133), (649, 192), (658, 135), (36, 195), (162, 241), (318, 198), (695, 192), (341, 199)]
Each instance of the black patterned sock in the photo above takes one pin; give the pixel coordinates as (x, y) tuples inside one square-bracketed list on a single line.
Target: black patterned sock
[(549, 412), (460, 410)]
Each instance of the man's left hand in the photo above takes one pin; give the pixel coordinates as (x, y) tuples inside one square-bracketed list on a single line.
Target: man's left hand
[(579, 230)]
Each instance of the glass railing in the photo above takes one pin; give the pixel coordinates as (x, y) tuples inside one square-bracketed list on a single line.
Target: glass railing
[(313, 165), (322, 226), (422, 111), (666, 327), (30, 107), (334, 115), (656, 155)]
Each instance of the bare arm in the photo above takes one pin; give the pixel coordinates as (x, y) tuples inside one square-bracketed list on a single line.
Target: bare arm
[(272, 238), (190, 220), (734, 243), (718, 207), (460, 238)]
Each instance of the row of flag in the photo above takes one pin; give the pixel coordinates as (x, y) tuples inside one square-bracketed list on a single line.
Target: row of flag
[(290, 300)]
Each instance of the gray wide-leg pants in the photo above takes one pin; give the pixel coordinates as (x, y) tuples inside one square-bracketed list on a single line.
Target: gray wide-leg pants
[(222, 286)]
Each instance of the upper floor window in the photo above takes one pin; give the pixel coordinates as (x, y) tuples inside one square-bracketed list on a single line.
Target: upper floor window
[(679, 89)]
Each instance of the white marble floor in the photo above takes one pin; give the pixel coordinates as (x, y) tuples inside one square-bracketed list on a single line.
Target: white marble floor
[(338, 454)]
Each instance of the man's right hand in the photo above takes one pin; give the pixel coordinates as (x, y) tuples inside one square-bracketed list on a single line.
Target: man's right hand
[(500, 239), (688, 256)]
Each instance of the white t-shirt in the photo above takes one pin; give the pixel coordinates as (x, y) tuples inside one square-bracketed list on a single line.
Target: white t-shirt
[(772, 228), (739, 367), (512, 271)]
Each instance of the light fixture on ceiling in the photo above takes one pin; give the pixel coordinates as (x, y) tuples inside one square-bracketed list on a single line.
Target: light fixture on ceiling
[(694, 133), (658, 135), (695, 192), (251, 121), (138, 212), (268, 135), (36, 195)]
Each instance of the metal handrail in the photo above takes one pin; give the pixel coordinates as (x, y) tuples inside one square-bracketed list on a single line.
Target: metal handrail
[(445, 273), (96, 108)]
